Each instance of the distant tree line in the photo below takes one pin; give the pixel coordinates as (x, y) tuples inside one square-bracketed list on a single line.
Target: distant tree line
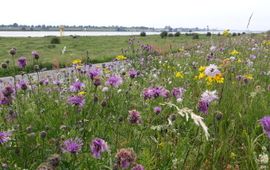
[(20, 27)]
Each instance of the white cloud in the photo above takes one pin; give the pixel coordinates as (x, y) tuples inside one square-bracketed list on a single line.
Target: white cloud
[(231, 14)]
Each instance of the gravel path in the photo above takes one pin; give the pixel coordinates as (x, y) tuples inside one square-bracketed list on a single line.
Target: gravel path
[(52, 74)]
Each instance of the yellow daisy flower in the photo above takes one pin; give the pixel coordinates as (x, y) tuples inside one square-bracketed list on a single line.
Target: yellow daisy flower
[(120, 57), (179, 74), (82, 93), (77, 61), (234, 52)]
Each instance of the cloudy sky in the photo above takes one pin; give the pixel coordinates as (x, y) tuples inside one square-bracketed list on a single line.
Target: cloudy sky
[(221, 14)]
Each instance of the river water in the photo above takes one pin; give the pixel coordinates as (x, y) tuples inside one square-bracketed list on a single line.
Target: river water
[(78, 33), (66, 33)]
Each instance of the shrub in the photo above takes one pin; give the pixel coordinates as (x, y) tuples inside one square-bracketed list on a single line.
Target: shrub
[(163, 34), (268, 34), (208, 34), (177, 34), (243, 33), (218, 34), (51, 46), (55, 40), (170, 35), (234, 34), (142, 34), (195, 36)]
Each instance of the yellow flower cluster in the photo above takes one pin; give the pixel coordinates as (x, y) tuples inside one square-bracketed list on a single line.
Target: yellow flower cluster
[(120, 58), (217, 79), (226, 33), (248, 76), (181, 50), (77, 62), (266, 43), (81, 93), (234, 53), (179, 74)]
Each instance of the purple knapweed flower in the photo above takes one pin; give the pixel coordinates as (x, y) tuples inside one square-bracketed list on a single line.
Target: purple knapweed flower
[(154, 92), (253, 57), (57, 82), (94, 72), (125, 158), (21, 85), (5, 100), (265, 123), (21, 62), (138, 167), (8, 91), (4, 137), (178, 92), (209, 96), (134, 117), (149, 93), (35, 55), (114, 81), (97, 81), (133, 73), (73, 146), (44, 82), (203, 106), (76, 100), (161, 91), (206, 98), (98, 146), (157, 109), (211, 70), (76, 86)]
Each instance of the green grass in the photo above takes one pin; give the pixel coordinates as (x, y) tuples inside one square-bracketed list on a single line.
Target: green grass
[(164, 141), (100, 48)]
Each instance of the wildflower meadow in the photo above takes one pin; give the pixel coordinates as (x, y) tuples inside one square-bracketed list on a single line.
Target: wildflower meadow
[(202, 106)]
